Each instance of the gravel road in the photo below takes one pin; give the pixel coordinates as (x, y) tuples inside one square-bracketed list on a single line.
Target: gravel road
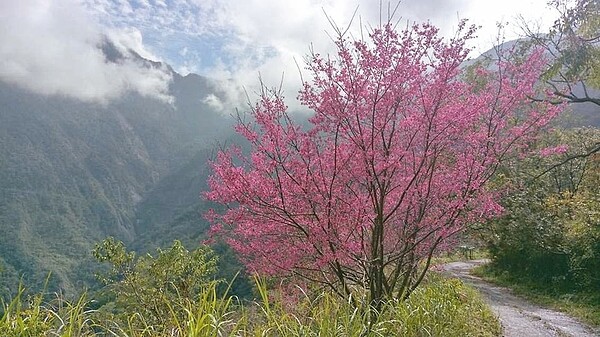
[(520, 318)]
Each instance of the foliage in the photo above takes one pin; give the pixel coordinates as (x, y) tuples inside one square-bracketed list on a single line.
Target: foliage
[(580, 215), (395, 162), (156, 288), (442, 307), (207, 315), (573, 44), (551, 228), (32, 317)]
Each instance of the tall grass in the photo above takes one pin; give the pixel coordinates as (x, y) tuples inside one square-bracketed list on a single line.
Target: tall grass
[(441, 307), (32, 316), (210, 315)]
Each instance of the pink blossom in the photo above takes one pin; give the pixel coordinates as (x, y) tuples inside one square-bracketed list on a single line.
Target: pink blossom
[(550, 151), (395, 163)]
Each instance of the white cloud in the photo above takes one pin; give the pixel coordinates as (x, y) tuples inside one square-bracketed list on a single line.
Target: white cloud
[(51, 47), (130, 38), (174, 17), (230, 40), (509, 12), (271, 36), (213, 101)]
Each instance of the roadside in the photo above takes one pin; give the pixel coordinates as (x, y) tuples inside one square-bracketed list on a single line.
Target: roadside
[(518, 316)]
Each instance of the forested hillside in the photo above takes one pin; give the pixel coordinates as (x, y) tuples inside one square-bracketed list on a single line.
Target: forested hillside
[(72, 173)]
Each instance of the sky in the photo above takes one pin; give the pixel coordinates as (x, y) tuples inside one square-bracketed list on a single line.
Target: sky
[(51, 46)]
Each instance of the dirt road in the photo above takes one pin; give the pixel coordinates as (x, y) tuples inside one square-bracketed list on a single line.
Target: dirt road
[(520, 318)]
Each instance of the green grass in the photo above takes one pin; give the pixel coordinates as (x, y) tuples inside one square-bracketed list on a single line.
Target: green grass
[(34, 317), (441, 307), (583, 304)]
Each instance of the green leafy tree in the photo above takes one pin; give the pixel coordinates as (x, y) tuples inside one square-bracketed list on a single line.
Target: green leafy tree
[(551, 228), (158, 288), (580, 214)]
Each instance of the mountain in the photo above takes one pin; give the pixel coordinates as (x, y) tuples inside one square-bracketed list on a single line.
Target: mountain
[(72, 173)]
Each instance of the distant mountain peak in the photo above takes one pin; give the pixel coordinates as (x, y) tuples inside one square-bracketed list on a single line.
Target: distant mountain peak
[(114, 54)]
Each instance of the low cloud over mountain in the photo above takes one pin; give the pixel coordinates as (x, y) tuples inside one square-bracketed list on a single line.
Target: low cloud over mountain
[(54, 48)]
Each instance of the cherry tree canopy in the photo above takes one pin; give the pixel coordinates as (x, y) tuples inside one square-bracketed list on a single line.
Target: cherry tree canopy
[(401, 145)]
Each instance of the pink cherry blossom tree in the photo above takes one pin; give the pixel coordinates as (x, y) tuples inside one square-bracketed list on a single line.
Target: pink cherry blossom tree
[(395, 162)]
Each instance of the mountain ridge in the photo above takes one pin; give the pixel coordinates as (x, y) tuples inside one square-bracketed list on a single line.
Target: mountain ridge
[(73, 172)]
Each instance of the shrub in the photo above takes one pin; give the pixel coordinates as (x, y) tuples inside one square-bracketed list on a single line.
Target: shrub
[(158, 289), (550, 232)]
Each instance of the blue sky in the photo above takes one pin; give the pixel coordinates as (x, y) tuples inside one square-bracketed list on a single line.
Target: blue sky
[(49, 46)]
